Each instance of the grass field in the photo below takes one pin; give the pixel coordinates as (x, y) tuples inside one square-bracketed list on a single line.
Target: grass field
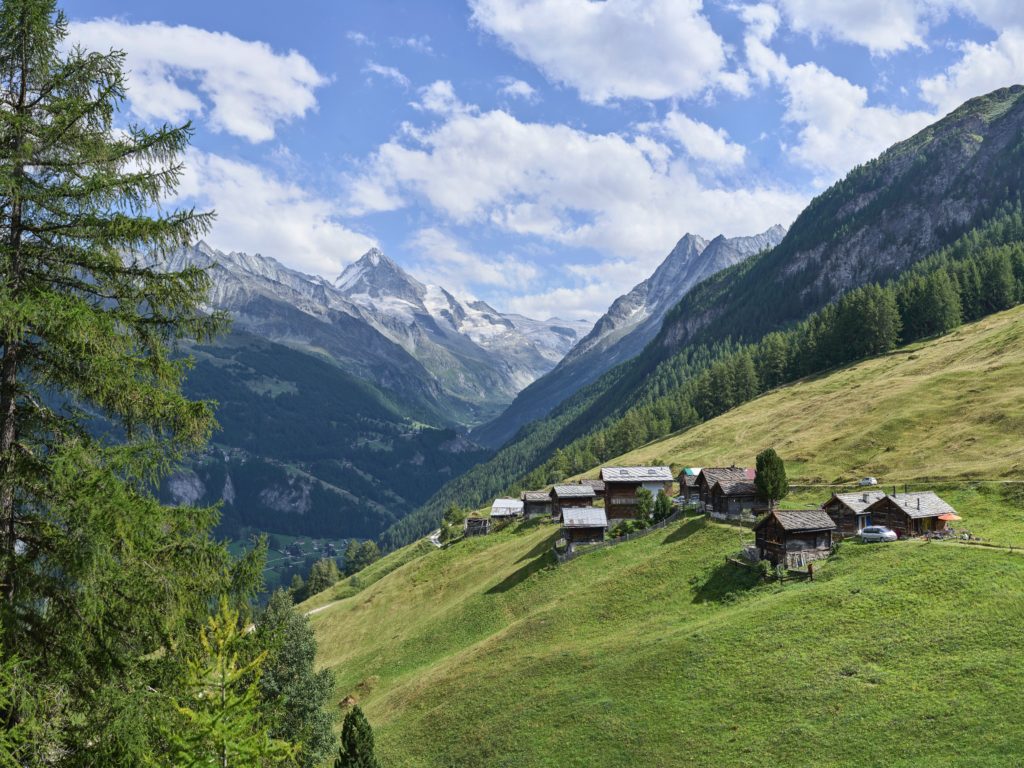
[(948, 409), (657, 652)]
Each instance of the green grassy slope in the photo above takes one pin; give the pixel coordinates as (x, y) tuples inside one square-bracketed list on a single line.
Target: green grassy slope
[(657, 652), (950, 408)]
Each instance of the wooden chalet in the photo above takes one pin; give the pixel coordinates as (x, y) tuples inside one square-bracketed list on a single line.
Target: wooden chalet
[(794, 537), (710, 475), (597, 485), (849, 510), (583, 525), (571, 496), (622, 483), (537, 504), (476, 526), (506, 509), (911, 514), (688, 487), (736, 498)]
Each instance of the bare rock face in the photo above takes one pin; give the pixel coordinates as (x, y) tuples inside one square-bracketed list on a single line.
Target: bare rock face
[(630, 323), (293, 499), (185, 488)]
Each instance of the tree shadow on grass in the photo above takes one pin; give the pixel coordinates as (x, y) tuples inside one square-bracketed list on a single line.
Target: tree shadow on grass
[(541, 556), (726, 583), (686, 530)]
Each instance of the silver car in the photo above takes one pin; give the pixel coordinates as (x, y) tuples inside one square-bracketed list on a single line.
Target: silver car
[(878, 533)]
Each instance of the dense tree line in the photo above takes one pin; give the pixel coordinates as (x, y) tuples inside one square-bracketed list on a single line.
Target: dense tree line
[(982, 273)]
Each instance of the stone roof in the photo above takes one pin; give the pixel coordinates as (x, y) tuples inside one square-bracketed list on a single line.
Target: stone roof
[(506, 507), (597, 485), (801, 520), (573, 491), (584, 517), (737, 487), (920, 504), (715, 474), (537, 496), (860, 501), (637, 474)]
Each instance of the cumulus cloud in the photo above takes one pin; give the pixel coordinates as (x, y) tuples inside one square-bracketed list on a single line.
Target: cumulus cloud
[(620, 195), (981, 69), (701, 141), (518, 89), (615, 49), (837, 127), (446, 261), (358, 38), (388, 73), (260, 212), (241, 87)]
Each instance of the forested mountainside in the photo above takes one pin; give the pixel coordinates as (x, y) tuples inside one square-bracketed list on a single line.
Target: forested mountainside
[(958, 181), (625, 329), (305, 448), (342, 406)]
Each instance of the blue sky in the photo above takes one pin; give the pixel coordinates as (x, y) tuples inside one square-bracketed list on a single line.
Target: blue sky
[(543, 155)]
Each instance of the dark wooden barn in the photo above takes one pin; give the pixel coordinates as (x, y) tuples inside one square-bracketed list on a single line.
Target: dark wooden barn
[(911, 514), (735, 498), (794, 537), (568, 496), (597, 485), (583, 525), (688, 487), (849, 510), (710, 475), (537, 504), (477, 526), (622, 483)]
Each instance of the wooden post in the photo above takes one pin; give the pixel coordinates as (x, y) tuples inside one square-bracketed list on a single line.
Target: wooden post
[(810, 571)]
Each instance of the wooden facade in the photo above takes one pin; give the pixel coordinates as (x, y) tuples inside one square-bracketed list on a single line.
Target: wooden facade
[(849, 510), (688, 487), (911, 514), (708, 476), (537, 504), (736, 498), (570, 496), (622, 483), (794, 538), (477, 526), (583, 525)]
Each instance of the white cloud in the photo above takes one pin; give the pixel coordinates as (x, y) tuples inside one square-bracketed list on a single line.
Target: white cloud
[(882, 26), (445, 261), (419, 44), (358, 38), (260, 212), (838, 129), (388, 73), (701, 141), (439, 97), (615, 49), (622, 196), (518, 89), (239, 86), (983, 68)]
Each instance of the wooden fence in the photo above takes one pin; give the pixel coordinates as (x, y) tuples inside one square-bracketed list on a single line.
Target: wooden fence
[(571, 552)]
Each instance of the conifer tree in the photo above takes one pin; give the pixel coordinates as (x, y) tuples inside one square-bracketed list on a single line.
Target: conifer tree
[(222, 723), (96, 577), (356, 749), (771, 481), (323, 575)]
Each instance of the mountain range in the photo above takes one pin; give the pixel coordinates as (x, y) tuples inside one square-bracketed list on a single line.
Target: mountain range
[(630, 323), (946, 183)]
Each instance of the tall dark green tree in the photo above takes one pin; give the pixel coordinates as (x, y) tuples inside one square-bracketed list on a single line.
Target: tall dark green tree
[(96, 577), (771, 481), (323, 575), (356, 750)]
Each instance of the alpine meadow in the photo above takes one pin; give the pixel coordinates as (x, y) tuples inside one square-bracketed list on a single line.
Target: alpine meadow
[(511, 382)]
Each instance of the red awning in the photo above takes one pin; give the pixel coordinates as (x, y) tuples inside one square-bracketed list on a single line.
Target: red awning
[(949, 516)]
